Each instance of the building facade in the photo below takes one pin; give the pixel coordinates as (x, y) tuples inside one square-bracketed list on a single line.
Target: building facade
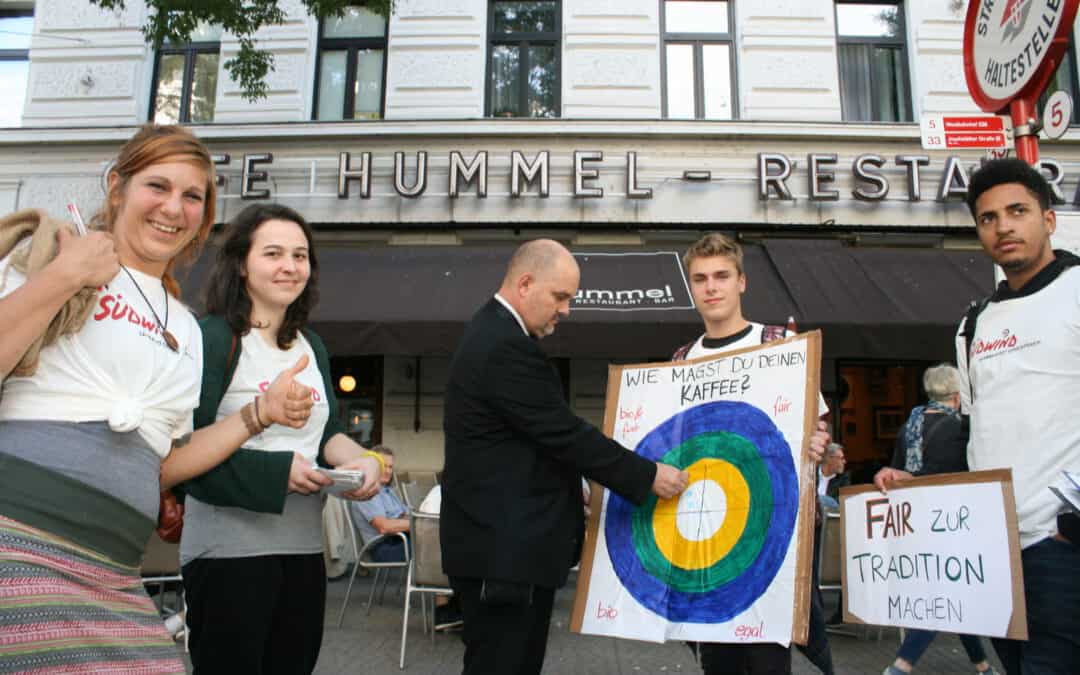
[(425, 147)]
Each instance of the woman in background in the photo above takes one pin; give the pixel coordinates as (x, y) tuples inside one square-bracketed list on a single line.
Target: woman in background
[(932, 440)]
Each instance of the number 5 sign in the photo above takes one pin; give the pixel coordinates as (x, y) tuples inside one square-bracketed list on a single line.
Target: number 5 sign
[(1056, 114)]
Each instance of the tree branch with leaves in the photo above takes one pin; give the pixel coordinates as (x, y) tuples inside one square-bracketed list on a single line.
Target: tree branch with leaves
[(173, 21)]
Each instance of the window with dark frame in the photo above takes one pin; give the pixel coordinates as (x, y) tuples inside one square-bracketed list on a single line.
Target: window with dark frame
[(1064, 79), (351, 71), (698, 61), (523, 58), (185, 79), (16, 28), (874, 81)]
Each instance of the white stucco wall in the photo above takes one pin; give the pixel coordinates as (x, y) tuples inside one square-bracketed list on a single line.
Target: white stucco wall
[(90, 67)]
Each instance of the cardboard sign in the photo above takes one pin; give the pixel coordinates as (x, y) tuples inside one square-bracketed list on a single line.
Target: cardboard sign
[(729, 559), (939, 553)]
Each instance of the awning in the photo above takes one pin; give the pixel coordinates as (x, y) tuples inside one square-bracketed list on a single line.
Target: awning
[(891, 303), (416, 300), (634, 303)]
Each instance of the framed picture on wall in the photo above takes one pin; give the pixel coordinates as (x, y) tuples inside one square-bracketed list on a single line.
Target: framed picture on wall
[(887, 422)]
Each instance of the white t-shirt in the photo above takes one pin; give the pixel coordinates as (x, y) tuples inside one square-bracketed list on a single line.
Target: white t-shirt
[(259, 364), (117, 368), (1025, 372), (750, 337)]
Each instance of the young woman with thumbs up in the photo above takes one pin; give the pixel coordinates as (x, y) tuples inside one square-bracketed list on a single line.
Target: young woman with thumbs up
[(252, 543), (101, 364)]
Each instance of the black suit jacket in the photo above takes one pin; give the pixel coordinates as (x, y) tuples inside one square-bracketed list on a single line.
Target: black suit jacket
[(515, 453)]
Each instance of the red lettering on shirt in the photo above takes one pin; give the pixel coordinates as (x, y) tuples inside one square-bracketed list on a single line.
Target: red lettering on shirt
[(104, 304), (113, 307), (1006, 341)]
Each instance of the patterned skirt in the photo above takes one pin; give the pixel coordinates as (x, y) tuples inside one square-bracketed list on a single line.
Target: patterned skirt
[(65, 608)]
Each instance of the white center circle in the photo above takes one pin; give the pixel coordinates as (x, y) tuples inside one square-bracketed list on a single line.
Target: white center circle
[(702, 508)]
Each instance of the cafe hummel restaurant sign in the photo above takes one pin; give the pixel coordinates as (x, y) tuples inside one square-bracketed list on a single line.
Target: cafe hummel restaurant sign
[(779, 177)]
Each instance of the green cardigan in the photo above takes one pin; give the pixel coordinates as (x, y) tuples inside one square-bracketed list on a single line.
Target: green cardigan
[(249, 479)]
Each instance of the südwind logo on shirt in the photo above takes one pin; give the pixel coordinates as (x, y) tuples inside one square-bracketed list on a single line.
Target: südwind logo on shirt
[(1006, 341), (264, 387), (113, 307)]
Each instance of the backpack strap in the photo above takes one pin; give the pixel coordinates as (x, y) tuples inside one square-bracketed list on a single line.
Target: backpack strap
[(970, 319), (682, 352), (772, 332)]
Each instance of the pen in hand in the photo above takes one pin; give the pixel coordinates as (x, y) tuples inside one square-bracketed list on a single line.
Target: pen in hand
[(80, 225)]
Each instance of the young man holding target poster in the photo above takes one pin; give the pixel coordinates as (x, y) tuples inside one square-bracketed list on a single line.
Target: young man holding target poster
[(714, 266), (1018, 353)]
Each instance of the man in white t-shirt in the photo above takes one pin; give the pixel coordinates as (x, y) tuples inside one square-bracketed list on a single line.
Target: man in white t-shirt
[(714, 266), (1019, 360)]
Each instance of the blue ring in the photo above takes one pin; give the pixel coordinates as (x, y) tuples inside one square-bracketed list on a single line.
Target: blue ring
[(719, 604)]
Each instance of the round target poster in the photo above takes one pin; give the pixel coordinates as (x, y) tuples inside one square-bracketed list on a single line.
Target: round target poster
[(717, 563)]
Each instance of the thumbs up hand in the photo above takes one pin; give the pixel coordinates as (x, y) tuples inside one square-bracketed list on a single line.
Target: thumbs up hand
[(288, 402)]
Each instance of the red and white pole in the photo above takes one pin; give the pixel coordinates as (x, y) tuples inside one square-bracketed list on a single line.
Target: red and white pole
[(1025, 130)]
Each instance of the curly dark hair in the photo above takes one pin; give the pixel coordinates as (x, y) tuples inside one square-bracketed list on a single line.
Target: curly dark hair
[(226, 290), (1009, 170)]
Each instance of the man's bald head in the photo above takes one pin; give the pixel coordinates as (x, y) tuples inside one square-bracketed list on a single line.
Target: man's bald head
[(541, 279), (538, 257)]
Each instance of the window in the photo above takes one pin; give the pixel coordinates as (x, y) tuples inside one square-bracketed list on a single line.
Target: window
[(185, 79), (1064, 80), (874, 83), (523, 58), (352, 66), (698, 62), (16, 27)]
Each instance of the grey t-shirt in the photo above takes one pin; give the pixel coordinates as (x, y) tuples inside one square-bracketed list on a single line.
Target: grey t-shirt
[(230, 532)]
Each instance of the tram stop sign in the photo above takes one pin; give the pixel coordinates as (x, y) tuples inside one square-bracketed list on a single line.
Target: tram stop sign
[(1013, 47), (1011, 50)]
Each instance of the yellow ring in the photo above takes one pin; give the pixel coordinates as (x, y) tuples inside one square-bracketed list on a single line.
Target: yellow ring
[(695, 555)]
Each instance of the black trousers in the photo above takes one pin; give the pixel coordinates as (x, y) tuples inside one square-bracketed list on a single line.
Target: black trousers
[(255, 616), (760, 658), (503, 639)]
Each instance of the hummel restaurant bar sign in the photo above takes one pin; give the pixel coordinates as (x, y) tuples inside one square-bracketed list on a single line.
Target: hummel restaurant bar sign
[(777, 176)]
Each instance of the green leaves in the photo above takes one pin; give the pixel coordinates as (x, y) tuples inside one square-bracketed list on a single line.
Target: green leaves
[(174, 21)]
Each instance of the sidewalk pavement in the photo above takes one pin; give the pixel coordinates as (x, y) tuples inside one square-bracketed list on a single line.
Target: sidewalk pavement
[(370, 644)]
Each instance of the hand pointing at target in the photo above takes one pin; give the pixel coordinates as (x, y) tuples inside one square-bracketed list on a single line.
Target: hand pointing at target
[(669, 481)]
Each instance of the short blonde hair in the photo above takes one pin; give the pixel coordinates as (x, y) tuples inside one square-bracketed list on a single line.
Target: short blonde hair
[(713, 245), (941, 382)]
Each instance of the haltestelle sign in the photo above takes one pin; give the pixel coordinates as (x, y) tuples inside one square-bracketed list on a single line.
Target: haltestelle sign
[(1011, 47)]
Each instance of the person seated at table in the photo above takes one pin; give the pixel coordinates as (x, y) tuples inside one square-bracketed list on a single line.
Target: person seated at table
[(385, 513)]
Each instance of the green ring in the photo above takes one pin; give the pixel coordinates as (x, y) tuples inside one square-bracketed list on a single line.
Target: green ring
[(741, 452)]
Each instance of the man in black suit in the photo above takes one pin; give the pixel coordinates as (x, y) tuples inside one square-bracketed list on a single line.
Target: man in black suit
[(512, 522)]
